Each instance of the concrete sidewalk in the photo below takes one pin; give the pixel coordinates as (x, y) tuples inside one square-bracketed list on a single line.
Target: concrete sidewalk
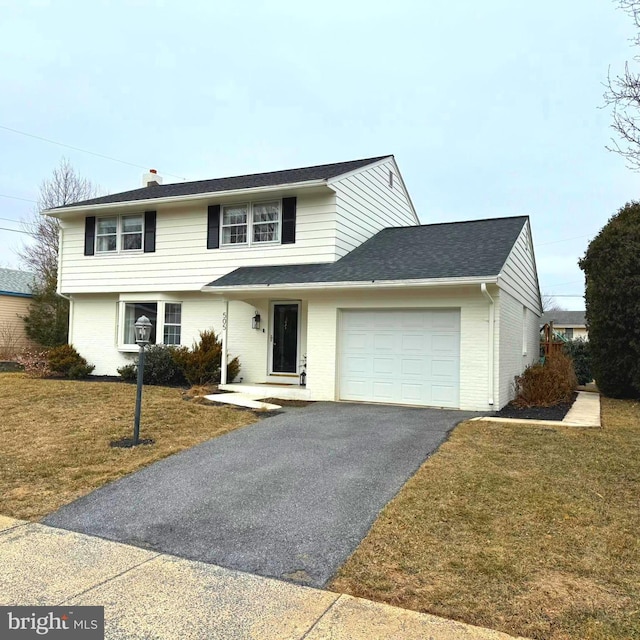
[(153, 595), (585, 412)]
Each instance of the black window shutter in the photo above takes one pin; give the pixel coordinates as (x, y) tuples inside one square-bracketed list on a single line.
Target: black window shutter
[(289, 220), (89, 235), (149, 231), (213, 227)]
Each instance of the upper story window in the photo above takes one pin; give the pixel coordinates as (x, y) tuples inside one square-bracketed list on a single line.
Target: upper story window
[(246, 224), (119, 233)]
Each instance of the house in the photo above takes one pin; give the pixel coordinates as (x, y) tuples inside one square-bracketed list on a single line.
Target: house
[(570, 324), (324, 270), (15, 298)]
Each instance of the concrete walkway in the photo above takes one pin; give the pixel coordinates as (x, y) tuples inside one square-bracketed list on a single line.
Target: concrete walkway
[(154, 595), (585, 412)]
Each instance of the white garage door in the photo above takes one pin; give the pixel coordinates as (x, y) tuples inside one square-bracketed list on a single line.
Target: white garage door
[(404, 357)]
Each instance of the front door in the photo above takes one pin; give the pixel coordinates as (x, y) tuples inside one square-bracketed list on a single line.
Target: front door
[(284, 337)]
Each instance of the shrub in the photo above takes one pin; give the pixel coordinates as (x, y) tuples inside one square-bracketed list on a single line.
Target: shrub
[(611, 265), (578, 351), (128, 372), (546, 384), (160, 366), (66, 361), (201, 364), (35, 364)]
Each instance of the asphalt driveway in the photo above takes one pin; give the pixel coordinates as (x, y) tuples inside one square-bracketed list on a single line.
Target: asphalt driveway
[(290, 497)]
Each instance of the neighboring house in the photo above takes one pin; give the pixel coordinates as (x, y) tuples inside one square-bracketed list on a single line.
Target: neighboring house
[(323, 269), (15, 298), (570, 324)]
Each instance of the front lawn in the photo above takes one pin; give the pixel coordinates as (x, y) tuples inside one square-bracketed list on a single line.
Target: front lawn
[(534, 531), (55, 434)]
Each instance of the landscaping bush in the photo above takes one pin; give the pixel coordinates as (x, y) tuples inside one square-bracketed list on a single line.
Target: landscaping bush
[(578, 351), (611, 266), (66, 361), (35, 364), (201, 364), (128, 372), (160, 367), (543, 385)]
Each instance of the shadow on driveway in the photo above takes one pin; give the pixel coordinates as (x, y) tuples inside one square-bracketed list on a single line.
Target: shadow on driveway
[(289, 497)]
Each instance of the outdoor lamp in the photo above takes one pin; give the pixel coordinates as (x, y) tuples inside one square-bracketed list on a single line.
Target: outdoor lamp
[(143, 334), (255, 321), (143, 330)]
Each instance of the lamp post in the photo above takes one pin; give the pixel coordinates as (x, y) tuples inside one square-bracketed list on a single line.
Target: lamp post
[(143, 333)]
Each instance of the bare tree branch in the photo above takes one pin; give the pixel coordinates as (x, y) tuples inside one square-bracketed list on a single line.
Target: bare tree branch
[(549, 303), (64, 187), (623, 95)]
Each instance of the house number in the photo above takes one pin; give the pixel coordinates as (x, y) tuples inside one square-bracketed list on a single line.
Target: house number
[(224, 320)]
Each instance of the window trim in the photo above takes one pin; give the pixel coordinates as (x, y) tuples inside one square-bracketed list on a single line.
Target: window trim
[(119, 234), (160, 315), (250, 242)]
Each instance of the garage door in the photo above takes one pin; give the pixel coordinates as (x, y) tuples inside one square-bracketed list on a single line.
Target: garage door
[(404, 357)]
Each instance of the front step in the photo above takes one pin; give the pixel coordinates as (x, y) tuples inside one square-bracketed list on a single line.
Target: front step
[(282, 392)]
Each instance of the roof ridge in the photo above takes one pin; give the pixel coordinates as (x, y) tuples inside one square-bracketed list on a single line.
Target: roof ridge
[(440, 224), (266, 173)]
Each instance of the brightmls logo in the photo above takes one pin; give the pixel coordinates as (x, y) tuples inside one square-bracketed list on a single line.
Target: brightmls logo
[(64, 623)]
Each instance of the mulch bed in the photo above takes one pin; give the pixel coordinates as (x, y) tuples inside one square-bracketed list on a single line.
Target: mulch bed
[(555, 412)]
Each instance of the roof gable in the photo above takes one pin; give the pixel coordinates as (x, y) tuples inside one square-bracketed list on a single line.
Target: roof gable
[(233, 183), (478, 248)]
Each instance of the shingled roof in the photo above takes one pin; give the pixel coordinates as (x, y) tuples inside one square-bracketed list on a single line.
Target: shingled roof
[(14, 282), (564, 318), (478, 248), (252, 181)]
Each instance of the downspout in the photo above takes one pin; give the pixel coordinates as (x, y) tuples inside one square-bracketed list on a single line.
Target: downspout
[(492, 323), (223, 359)]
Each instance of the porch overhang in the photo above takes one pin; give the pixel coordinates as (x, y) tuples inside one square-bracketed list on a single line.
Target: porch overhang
[(243, 292)]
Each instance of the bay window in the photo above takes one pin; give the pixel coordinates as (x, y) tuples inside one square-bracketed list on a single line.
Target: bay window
[(165, 317)]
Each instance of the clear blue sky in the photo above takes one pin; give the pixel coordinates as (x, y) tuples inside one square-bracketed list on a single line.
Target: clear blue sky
[(491, 108)]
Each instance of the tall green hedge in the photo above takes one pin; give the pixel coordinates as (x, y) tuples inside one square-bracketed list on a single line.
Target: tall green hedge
[(612, 270)]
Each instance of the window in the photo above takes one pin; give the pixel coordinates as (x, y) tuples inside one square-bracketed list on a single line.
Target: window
[(165, 317), (106, 234), (172, 322), (568, 333), (234, 224), (247, 224), (266, 220), (122, 233)]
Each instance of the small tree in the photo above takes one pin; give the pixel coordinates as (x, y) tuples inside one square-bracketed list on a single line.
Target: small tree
[(48, 317), (612, 270)]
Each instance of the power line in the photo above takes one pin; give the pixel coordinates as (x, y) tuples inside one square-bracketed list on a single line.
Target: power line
[(14, 230), (10, 219), (2, 195), (91, 153)]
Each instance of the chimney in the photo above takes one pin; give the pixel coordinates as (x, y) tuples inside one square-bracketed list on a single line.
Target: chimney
[(151, 179)]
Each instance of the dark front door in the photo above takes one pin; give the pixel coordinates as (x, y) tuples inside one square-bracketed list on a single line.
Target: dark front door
[(285, 338)]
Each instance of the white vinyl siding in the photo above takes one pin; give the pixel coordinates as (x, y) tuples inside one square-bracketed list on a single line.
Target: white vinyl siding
[(518, 276), (182, 261), (366, 202)]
